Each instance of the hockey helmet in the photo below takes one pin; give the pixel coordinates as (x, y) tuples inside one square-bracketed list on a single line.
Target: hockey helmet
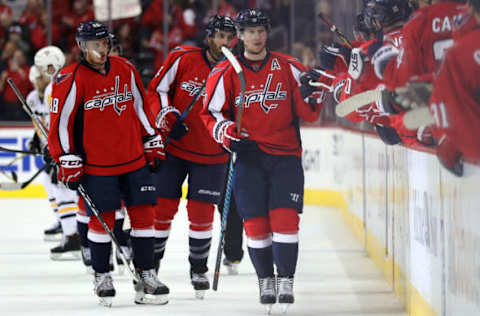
[(475, 4), (49, 56), (33, 74), (252, 17), (220, 23), (91, 31), (386, 12)]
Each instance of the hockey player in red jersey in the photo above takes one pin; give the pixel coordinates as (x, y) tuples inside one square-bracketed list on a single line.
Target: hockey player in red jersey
[(98, 118), (191, 151), (455, 101), (268, 178)]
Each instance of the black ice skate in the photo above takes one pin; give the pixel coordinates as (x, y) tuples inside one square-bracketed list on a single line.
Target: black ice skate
[(87, 259), (200, 284), (232, 266), (267, 292), (52, 233), (150, 290), (285, 292), (104, 288), (69, 249)]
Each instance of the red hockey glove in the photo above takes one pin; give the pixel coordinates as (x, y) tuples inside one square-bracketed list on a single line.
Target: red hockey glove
[(450, 158), (154, 151), (235, 142), (169, 125), (70, 170)]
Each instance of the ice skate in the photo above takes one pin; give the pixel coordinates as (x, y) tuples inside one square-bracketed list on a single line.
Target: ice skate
[(87, 259), (127, 251), (150, 290), (232, 266), (200, 284), (267, 292), (104, 288), (285, 292), (53, 233), (69, 249)]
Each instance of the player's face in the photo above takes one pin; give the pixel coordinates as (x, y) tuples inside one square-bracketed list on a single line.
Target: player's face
[(255, 39), (97, 51), (215, 43)]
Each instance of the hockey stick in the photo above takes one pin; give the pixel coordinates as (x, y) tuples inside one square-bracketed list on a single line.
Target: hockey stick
[(335, 30), (418, 117), (14, 176), (81, 189), (19, 151), (357, 101), (14, 186), (228, 192)]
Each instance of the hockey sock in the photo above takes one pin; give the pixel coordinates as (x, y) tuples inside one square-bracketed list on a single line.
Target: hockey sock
[(165, 211), (284, 224), (200, 215), (82, 229), (285, 257), (141, 235), (159, 248), (119, 233), (100, 256), (262, 260)]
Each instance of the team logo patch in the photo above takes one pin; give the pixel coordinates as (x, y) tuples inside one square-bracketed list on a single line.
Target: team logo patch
[(263, 95), (62, 77), (476, 56), (113, 98), (191, 87)]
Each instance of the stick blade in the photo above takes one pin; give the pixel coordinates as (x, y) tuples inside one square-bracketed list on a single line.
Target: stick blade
[(10, 186), (418, 117), (357, 101)]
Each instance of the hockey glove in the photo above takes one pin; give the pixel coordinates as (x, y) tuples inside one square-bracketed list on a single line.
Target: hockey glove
[(70, 170), (329, 55), (450, 158), (154, 151), (236, 142), (34, 144), (169, 125)]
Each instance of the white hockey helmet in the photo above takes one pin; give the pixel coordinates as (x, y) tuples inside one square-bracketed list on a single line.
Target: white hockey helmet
[(49, 55), (34, 74)]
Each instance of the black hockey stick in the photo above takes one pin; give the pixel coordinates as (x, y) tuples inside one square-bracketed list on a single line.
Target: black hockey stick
[(19, 151), (13, 176), (14, 186), (81, 189), (231, 167), (335, 30)]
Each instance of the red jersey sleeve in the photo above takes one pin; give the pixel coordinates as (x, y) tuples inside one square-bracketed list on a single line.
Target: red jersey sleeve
[(217, 100), (66, 99)]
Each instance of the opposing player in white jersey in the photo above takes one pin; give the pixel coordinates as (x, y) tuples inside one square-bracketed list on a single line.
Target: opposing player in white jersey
[(47, 62)]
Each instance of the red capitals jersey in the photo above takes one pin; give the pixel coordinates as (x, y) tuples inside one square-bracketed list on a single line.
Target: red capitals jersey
[(455, 102), (176, 84), (100, 117), (426, 36), (272, 103)]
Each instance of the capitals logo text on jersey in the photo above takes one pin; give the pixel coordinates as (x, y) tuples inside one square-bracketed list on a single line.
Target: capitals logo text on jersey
[(192, 87), (111, 98), (262, 96)]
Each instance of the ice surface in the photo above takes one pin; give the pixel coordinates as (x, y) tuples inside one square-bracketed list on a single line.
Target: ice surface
[(334, 277)]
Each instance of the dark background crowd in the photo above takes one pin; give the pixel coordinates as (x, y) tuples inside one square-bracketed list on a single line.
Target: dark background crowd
[(24, 30)]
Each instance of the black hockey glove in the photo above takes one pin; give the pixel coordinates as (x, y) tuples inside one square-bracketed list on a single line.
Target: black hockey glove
[(328, 56), (388, 135), (34, 144), (179, 130)]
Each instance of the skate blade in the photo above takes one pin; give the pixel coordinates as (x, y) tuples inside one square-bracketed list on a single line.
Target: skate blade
[(232, 270), (67, 256), (142, 298), (285, 307), (105, 301), (268, 308), (200, 294), (56, 237)]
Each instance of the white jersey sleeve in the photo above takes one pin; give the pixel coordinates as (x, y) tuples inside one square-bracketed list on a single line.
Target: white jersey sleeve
[(47, 99)]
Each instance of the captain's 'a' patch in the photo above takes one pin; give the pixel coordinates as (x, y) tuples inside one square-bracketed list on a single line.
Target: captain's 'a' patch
[(275, 65)]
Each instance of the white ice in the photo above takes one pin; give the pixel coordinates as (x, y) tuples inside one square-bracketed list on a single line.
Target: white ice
[(334, 276)]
